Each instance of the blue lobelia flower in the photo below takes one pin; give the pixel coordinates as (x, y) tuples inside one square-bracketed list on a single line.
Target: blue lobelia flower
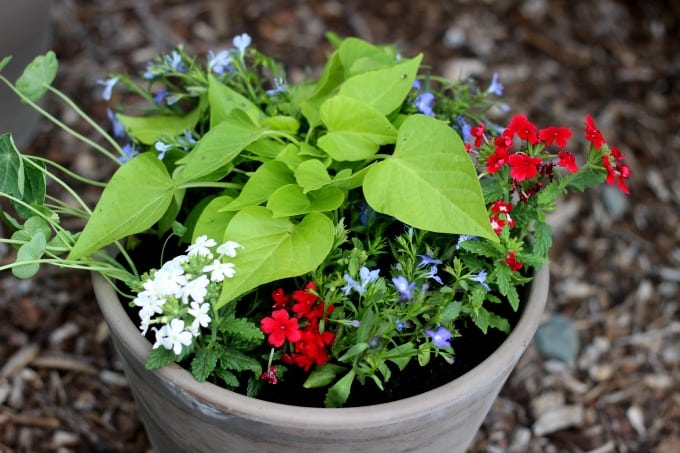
[(220, 62), (241, 42), (440, 337), (424, 103), (404, 287), (495, 87), (162, 148), (481, 278), (108, 85), (129, 152)]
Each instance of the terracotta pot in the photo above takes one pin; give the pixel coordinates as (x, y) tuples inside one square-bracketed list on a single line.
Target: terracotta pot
[(24, 34), (181, 414)]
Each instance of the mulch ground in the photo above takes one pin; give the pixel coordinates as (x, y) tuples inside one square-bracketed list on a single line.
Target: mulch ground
[(616, 260)]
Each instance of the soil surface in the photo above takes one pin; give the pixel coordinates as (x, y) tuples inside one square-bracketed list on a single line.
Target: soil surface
[(616, 259)]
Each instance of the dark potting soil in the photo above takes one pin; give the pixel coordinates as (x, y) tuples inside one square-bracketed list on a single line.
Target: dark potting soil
[(471, 348)]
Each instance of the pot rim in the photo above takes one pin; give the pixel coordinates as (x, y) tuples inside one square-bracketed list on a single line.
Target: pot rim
[(352, 417)]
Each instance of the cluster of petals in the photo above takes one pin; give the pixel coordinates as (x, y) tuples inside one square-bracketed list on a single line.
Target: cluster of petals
[(177, 300), (500, 216), (512, 262), (295, 321)]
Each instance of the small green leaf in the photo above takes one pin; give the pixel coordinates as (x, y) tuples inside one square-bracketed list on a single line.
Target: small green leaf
[(323, 375), (337, 395), (204, 363), (311, 175), (356, 130), (233, 359), (135, 198), (30, 251), (223, 100), (268, 177), (542, 238), (219, 146), (451, 312), (159, 358), (385, 89), (353, 352), (5, 61), (38, 76), (149, 130), (290, 200), (281, 123)]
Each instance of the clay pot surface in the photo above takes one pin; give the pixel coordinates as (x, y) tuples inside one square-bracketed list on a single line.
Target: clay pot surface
[(181, 414)]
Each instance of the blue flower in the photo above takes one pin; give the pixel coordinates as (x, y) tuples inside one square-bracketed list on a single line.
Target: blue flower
[(464, 237), (481, 278), (404, 287), (174, 60), (433, 275), (424, 103), (219, 62), (241, 42), (118, 127), (440, 338), (129, 152), (426, 260), (495, 87), (108, 85), (279, 86), (401, 325), (355, 323), (465, 129), (186, 140), (162, 148), (366, 214), (366, 276), (160, 96)]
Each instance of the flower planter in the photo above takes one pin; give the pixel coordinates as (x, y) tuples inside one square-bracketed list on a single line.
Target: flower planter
[(181, 414)]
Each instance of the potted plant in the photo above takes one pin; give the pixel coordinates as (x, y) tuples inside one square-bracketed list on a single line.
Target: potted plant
[(311, 266)]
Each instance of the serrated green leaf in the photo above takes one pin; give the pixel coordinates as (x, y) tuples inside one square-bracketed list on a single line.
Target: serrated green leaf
[(204, 363), (38, 76), (499, 323), (229, 378), (160, 357), (429, 182), (135, 198), (542, 238), (481, 319), (356, 130), (233, 359), (585, 179), (274, 248), (243, 333), (450, 312)]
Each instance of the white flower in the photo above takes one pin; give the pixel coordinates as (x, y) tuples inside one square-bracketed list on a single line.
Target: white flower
[(170, 281), (195, 289), (228, 248), (201, 246), (201, 316), (173, 336), (219, 270)]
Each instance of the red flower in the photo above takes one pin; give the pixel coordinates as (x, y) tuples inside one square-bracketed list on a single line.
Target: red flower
[(551, 134), (503, 141), (501, 206), (310, 349), (568, 161), (496, 160), (270, 376), (512, 262), (497, 224), (593, 134), (305, 300), (525, 129), (523, 166), (620, 172), (281, 299), (478, 133), (280, 327)]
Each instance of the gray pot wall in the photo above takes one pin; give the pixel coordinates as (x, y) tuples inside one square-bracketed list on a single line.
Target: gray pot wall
[(181, 414), (24, 34)]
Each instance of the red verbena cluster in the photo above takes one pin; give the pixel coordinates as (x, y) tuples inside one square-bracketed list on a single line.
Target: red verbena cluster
[(295, 324), (526, 165)]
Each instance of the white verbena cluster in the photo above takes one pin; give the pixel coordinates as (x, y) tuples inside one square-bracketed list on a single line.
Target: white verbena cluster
[(178, 296)]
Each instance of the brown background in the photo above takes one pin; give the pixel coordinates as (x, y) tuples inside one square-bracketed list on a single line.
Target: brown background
[(616, 260)]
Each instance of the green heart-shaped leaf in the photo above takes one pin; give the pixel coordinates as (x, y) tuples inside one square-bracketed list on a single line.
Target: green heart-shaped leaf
[(429, 182), (274, 248)]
